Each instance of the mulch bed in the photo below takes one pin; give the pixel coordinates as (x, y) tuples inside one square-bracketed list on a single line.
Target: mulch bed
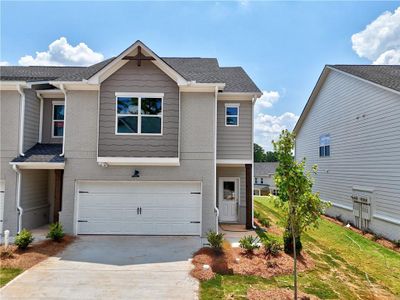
[(236, 261), (277, 294), (271, 229), (34, 254), (381, 240)]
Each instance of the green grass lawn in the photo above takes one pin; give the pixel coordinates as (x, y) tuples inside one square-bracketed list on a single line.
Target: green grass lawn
[(7, 274), (348, 266)]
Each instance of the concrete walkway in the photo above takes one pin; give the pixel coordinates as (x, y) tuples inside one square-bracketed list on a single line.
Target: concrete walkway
[(112, 267)]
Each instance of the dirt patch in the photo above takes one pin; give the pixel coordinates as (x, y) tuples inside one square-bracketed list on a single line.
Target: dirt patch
[(380, 240), (277, 294), (37, 252), (236, 261)]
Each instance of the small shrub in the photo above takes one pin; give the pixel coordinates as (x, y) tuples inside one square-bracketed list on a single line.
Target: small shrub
[(265, 222), (249, 243), (288, 243), (397, 243), (376, 237), (23, 239), (215, 239), (257, 214), (56, 232), (271, 246), (6, 253)]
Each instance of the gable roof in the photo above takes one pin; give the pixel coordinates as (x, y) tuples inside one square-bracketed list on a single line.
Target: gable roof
[(265, 168), (385, 76), (197, 69)]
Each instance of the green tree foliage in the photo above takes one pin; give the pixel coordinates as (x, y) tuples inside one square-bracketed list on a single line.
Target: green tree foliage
[(303, 207), (261, 156)]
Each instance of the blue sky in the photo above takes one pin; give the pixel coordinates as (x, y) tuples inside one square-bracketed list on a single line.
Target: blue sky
[(282, 45)]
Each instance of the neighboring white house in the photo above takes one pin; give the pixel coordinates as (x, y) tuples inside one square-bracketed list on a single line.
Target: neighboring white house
[(350, 128), (264, 183)]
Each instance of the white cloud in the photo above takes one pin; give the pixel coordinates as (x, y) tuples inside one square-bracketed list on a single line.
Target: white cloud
[(4, 63), (267, 100), (380, 40), (60, 53), (268, 127)]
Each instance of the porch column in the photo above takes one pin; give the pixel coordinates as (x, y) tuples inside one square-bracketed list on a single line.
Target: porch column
[(249, 196)]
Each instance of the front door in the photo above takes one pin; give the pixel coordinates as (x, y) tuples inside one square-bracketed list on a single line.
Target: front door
[(228, 199)]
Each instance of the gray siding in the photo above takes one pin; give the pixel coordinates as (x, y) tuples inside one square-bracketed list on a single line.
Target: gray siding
[(32, 117), (236, 172), (47, 118), (9, 124), (34, 198), (363, 121), (197, 152), (146, 78), (235, 142)]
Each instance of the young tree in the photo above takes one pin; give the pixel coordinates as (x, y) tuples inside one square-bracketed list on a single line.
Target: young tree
[(303, 207)]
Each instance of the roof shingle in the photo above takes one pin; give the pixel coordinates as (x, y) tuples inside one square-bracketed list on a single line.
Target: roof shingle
[(42, 153)]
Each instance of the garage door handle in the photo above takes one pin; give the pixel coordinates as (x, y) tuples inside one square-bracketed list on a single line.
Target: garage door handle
[(83, 221), (140, 210), (137, 210), (195, 222)]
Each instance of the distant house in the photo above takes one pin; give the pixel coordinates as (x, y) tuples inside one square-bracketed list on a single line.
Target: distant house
[(264, 178), (350, 128)]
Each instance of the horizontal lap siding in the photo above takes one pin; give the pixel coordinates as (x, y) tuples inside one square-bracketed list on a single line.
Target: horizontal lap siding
[(235, 142), (144, 79), (364, 151)]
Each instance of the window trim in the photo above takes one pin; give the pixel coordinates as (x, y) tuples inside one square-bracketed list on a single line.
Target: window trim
[(139, 114), (54, 103), (235, 105), (324, 146)]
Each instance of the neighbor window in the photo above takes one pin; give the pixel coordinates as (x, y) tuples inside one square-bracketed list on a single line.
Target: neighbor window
[(57, 123), (262, 180), (139, 114), (324, 145), (232, 114), (255, 180)]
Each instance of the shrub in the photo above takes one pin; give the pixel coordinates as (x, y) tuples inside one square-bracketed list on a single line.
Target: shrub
[(23, 239), (249, 243), (256, 214), (397, 243), (288, 243), (376, 237), (265, 222), (271, 246), (56, 232), (215, 239)]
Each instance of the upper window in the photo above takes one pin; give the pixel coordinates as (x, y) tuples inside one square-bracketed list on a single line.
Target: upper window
[(232, 114), (262, 180), (324, 145), (139, 114), (57, 123)]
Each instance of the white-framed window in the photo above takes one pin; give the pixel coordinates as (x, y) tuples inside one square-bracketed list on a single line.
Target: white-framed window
[(139, 113), (57, 119), (232, 114), (324, 145)]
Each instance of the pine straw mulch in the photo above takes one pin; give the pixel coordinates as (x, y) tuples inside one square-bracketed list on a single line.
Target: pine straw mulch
[(12, 257), (236, 261), (277, 294), (274, 229), (376, 238)]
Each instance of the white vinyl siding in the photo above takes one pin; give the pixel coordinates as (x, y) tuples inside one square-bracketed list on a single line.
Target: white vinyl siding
[(363, 121)]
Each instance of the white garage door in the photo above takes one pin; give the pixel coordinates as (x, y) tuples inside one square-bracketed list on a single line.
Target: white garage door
[(150, 208)]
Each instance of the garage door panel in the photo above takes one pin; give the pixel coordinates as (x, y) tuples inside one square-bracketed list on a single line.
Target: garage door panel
[(168, 208)]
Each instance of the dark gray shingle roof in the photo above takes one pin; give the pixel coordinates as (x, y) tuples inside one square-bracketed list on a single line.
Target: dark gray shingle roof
[(202, 70), (42, 153), (265, 168), (385, 75)]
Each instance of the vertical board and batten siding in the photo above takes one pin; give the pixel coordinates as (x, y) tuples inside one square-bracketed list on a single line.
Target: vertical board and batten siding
[(47, 122), (34, 198), (235, 142), (32, 117), (363, 121), (144, 79)]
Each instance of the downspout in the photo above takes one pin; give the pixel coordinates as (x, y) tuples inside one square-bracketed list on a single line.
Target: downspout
[(21, 121), (253, 102), (40, 118), (19, 208), (215, 160), (65, 116)]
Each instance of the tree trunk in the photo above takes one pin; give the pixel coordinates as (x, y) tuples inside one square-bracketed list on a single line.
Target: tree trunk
[(294, 264)]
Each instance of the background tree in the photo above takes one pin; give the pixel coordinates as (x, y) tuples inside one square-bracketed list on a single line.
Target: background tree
[(303, 208), (261, 156)]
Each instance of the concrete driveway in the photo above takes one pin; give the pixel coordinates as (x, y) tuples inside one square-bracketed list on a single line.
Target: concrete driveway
[(112, 267)]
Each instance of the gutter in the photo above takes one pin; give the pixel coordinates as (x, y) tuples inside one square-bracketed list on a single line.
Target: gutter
[(19, 208), (65, 116), (253, 102), (22, 121), (215, 161)]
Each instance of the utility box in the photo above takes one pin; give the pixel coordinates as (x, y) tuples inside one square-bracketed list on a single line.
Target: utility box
[(362, 207)]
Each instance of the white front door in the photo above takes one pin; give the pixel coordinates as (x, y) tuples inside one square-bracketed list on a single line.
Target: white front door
[(228, 199)]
